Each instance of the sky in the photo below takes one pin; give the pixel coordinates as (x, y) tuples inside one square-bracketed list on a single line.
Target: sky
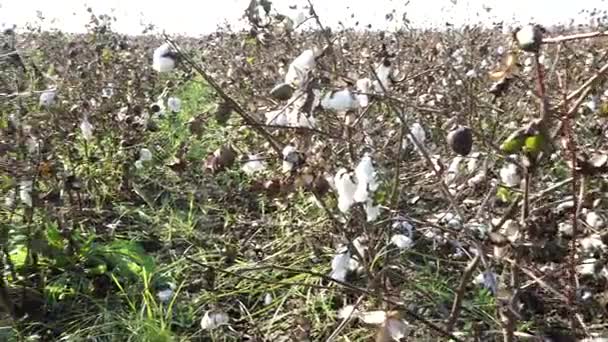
[(202, 16)]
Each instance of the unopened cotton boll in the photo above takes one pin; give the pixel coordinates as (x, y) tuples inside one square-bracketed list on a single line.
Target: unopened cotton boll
[(47, 98), (346, 188), (86, 128), (174, 104), (213, 320), (164, 58), (510, 175)]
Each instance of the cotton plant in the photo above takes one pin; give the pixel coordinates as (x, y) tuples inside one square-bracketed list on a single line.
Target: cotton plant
[(164, 58)]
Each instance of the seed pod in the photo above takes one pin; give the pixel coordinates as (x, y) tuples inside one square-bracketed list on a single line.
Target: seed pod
[(282, 92), (223, 112), (461, 140)]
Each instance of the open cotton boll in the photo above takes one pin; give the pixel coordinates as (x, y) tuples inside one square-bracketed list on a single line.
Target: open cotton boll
[(340, 101), (509, 175), (529, 38), (371, 211), (340, 266), (164, 58), (253, 165), (594, 220), (299, 67), (288, 166), (47, 98), (276, 118), (453, 171), (363, 86), (347, 311), (145, 155), (383, 71), (417, 131), (592, 244), (366, 179), (346, 190), (174, 104), (213, 320), (25, 192), (397, 329), (402, 241), (87, 129), (487, 280)]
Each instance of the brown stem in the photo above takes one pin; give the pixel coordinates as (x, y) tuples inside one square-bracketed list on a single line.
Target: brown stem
[(457, 305), (566, 38)]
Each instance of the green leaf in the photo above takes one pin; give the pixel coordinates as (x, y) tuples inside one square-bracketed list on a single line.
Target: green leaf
[(504, 194), (124, 258), (250, 60)]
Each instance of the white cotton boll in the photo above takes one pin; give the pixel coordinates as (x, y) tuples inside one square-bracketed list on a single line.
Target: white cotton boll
[(213, 320), (108, 91), (87, 129), (47, 98), (418, 132), (594, 220), (347, 311), (511, 230), (277, 118), (9, 200), (163, 59), (526, 36), (471, 73), (288, 166), (371, 211), (401, 241), (25, 192), (592, 104), (383, 72), (165, 295), (477, 179), (363, 86), (253, 165), (366, 179), (145, 155), (567, 229), (592, 244), (174, 104), (299, 67), (453, 171), (340, 266), (372, 317), (267, 299), (487, 280), (340, 101), (587, 267), (397, 328), (500, 50), (509, 175), (346, 190), (360, 244)]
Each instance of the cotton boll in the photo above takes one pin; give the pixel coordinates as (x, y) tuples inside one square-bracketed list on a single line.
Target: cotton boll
[(299, 68), (471, 73), (253, 165), (592, 244), (145, 155), (174, 104), (487, 280), (277, 118), (594, 220), (340, 266), (397, 329), (267, 299), (529, 38), (372, 317), (509, 175), (477, 179), (453, 171), (511, 230), (47, 98), (340, 101), (164, 58), (401, 241), (565, 228), (383, 72), (366, 179), (86, 129), (165, 295), (363, 86), (346, 190), (347, 311), (418, 132), (287, 165), (371, 211), (25, 192), (213, 320)]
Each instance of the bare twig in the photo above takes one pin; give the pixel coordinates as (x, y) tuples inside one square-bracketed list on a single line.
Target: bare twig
[(457, 305), (578, 36)]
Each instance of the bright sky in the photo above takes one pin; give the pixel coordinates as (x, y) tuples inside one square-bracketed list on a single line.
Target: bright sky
[(202, 16)]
